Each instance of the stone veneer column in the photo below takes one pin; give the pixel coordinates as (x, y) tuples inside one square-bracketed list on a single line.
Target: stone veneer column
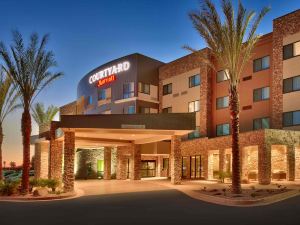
[(160, 166), (291, 161), (107, 163), (264, 163), (135, 162), (121, 164), (55, 159), (175, 158), (41, 159), (69, 156)]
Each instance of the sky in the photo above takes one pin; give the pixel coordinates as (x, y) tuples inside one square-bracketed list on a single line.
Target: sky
[(87, 33)]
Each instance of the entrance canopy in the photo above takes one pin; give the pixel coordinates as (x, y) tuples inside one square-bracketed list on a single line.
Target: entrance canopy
[(125, 129)]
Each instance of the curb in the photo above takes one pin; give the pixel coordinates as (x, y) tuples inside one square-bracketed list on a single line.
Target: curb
[(242, 203), (76, 194)]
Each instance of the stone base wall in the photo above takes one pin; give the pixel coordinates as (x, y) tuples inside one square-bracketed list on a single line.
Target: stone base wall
[(55, 159), (41, 157)]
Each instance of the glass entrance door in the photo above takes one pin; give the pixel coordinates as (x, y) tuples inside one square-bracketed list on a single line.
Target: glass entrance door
[(196, 167), (148, 168)]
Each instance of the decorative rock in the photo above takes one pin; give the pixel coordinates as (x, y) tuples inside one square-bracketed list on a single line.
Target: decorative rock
[(40, 192)]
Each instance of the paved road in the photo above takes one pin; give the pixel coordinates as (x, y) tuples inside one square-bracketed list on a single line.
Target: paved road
[(155, 207)]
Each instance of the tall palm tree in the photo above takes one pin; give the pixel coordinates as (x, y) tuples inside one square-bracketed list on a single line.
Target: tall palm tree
[(30, 68), (8, 103), (43, 116), (231, 43)]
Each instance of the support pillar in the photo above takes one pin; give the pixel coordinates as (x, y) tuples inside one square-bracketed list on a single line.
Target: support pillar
[(69, 156), (222, 160), (55, 159), (41, 159), (291, 162), (175, 160), (264, 163), (121, 173), (135, 162), (107, 163), (160, 166)]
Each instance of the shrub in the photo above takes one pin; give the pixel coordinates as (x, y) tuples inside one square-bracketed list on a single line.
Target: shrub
[(223, 175), (38, 182), (8, 187), (53, 184), (245, 181)]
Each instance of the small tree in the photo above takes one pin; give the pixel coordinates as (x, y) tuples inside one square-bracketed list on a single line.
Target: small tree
[(43, 116), (12, 165)]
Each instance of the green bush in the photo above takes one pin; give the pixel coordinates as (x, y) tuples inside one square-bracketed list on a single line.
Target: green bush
[(8, 188), (38, 182), (53, 184), (223, 175)]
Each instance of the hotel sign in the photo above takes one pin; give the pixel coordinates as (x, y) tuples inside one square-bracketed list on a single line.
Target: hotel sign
[(107, 72), (106, 80)]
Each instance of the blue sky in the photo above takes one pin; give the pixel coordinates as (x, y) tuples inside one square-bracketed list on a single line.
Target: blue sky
[(85, 34)]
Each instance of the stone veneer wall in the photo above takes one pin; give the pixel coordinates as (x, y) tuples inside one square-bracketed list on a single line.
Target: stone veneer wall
[(68, 109), (182, 65), (41, 159), (282, 26), (69, 157)]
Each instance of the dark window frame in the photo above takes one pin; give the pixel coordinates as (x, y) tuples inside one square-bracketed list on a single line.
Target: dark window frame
[(260, 121), (141, 110), (218, 108), (292, 89), (167, 90), (222, 131), (99, 91), (128, 94), (261, 94), (194, 106), (286, 46), (167, 109), (142, 85), (192, 81), (219, 81), (261, 60), (292, 118)]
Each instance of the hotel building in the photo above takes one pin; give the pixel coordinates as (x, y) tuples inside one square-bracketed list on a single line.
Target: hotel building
[(138, 117)]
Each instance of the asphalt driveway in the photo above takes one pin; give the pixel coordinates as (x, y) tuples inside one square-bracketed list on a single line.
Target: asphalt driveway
[(152, 207)]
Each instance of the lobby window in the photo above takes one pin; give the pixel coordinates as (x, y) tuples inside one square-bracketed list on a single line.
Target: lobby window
[(167, 110), (261, 64), (291, 50), (195, 133), (128, 90), (261, 123), (131, 109), (291, 118), (194, 106), (291, 84), (165, 163), (194, 81), (222, 102), (167, 89), (261, 94), (144, 110), (223, 129), (221, 76), (144, 88), (101, 94)]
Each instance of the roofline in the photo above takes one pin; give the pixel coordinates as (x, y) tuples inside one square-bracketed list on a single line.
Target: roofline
[(286, 14)]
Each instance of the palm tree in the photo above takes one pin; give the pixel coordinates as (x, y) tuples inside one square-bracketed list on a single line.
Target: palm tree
[(42, 116), (30, 68), (8, 103), (231, 44)]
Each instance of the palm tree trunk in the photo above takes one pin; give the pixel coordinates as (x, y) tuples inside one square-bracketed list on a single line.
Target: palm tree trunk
[(26, 132), (1, 140), (235, 130)]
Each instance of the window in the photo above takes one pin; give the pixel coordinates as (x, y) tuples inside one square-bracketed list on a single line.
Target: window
[(194, 80), (291, 118), (131, 109), (101, 94), (221, 76), (222, 102), (90, 100), (223, 129), (291, 50), (194, 106), (144, 110), (261, 123), (144, 88), (167, 110), (167, 89), (291, 84), (128, 90), (261, 64), (165, 163), (195, 133), (261, 94)]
